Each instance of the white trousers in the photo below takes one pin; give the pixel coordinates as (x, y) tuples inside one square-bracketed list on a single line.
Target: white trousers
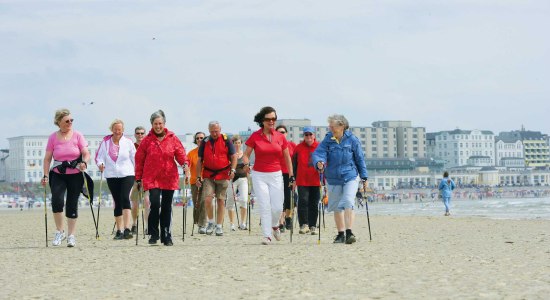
[(268, 189), (240, 187)]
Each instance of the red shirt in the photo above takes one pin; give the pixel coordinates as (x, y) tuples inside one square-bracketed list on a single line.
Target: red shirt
[(306, 174), (268, 153), (291, 147)]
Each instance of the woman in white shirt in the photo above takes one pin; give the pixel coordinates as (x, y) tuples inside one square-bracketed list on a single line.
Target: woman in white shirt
[(116, 158)]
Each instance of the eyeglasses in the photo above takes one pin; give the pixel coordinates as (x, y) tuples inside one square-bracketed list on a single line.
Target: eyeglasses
[(270, 119), (140, 133), (69, 121), (282, 131), (308, 134), (199, 138)]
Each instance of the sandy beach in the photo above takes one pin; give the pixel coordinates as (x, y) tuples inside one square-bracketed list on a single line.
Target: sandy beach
[(409, 257)]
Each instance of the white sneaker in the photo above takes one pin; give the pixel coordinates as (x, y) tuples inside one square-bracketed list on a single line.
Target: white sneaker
[(219, 231), (277, 234), (243, 227), (233, 227), (202, 230), (266, 241), (59, 237), (210, 228), (71, 241)]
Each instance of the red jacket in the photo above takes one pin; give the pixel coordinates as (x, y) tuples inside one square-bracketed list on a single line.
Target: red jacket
[(215, 159), (156, 161), (305, 173)]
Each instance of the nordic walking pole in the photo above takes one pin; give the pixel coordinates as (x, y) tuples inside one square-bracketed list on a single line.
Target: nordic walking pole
[(291, 214), (45, 215), (235, 202), (99, 205), (137, 217), (113, 231), (184, 201), (367, 207), (90, 201), (249, 204)]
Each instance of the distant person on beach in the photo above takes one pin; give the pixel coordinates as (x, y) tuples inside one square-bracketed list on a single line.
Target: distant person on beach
[(199, 210), (268, 146), (446, 186), (69, 150), (340, 156), (139, 134), (115, 157), (217, 161), (285, 220), (157, 172), (238, 189), (307, 181)]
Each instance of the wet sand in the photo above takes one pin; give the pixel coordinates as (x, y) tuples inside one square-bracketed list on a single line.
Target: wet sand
[(409, 257)]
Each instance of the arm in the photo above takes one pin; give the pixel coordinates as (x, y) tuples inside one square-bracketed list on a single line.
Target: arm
[(246, 158), (295, 163), (85, 158), (319, 156), (288, 162), (141, 155), (47, 162), (359, 157), (100, 156)]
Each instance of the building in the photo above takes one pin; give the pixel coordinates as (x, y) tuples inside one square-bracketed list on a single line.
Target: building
[(507, 147), (457, 146), (536, 150), (4, 153)]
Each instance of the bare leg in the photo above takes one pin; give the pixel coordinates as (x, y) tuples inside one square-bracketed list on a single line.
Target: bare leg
[(220, 210), (127, 218), (349, 217), (339, 220), (119, 224), (58, 218), (71, 224)]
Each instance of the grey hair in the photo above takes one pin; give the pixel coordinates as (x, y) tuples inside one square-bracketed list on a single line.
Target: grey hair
[(158, 114), (116, 121), (213, 123), (339, 119), (60, 114), (139, 128)]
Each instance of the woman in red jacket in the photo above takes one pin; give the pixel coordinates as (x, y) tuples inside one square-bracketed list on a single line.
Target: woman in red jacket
[(307, 180), (157, 172)]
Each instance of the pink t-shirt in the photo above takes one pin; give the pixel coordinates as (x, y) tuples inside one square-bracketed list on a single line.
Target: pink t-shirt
[(113, 150), (268, 153), (66, 150)]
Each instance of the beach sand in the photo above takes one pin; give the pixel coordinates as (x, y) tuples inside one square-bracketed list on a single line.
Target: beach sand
[(408, 257)]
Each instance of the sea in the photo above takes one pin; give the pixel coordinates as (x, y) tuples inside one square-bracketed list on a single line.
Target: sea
[(493, 208)]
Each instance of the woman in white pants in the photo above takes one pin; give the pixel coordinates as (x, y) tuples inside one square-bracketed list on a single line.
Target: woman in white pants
[(238, 190), (268, 146)]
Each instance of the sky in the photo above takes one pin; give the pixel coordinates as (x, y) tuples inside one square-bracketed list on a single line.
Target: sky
[(440, 64)]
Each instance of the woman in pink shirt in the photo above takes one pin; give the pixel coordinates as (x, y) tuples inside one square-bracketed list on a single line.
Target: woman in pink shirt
[(68, 148), (267, 177)]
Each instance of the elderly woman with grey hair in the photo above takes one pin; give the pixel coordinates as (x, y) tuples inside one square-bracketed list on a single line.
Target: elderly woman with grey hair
[(341, 159), (69, 150), (115, 158), (157, 172)]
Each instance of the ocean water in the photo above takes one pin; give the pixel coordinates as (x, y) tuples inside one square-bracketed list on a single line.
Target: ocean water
[(494, 208)]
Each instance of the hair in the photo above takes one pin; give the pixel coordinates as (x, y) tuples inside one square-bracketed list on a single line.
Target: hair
[(235, 138), (195, 136), (158, 114), (339, 119), (116, 121), (281, 126), (259, 117), (139, 128), (59, 115), (213, 123), (446, 174)]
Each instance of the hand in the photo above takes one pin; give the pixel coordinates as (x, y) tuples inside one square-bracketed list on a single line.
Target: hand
[(365, 184), (101, 168), (320, 166), (199, 182), (44, 180), (138, 182), (232, 174), (186, 170), (291, 182), (246, 168), (82, 166)]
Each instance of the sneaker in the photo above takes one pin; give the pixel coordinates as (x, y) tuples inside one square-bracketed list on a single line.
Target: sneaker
[(277, 234), (119, 235), (340, 239), (71, 241), (134, 229), (127, 234), (202, 230), (288, 221), (59, 237), (153, 240), (266, 240), (210, 228), (303, 229), (351, 239), (233, 228), (168, 242), (243, 227), (282, 228), (313, 230), (219, 231)]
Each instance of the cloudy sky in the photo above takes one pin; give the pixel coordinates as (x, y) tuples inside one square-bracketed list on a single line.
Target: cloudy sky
[(441, 64)]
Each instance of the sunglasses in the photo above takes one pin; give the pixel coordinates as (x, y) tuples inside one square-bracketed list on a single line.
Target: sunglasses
[(270, 119), (282, 131), (308, 134), (199, 138), (140, 133), (69, 121)]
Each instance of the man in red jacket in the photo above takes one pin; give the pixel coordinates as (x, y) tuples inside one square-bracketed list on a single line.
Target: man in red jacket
[(307, 180), (217, 163)]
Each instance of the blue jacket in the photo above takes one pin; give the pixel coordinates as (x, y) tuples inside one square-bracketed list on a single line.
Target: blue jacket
[(446, 186), (343, 161)]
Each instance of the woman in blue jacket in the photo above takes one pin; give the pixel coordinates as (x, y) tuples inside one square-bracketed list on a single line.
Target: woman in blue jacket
[(340, 157), (446, 187)]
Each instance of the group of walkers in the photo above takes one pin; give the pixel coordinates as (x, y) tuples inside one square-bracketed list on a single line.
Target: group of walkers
[(217, 170)]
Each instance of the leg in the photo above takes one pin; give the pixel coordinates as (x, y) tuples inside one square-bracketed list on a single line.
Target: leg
[(114, 187), (74, 187), (313, 205), (221, 193), (260, 182), (166, 216), (154, 214), (303, 196), (58, 186)]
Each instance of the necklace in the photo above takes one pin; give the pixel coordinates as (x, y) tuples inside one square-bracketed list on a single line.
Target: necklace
[(64, 135)]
